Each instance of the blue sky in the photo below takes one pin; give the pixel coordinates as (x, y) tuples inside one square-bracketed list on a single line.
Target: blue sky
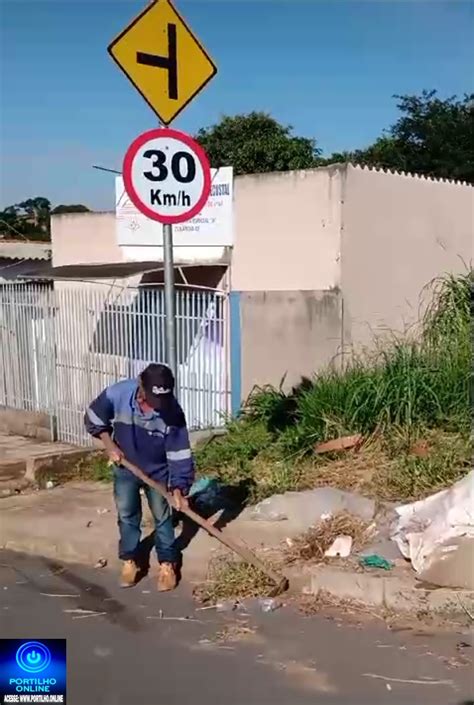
[(328, 68)]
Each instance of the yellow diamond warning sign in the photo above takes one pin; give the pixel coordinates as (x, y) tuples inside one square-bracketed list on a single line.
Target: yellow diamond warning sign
[(163, 59)]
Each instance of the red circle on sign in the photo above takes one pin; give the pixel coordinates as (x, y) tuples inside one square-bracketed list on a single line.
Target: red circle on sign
[(130, 188)]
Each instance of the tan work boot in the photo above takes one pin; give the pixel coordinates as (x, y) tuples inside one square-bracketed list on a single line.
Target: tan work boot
[(129, 574), (166, 577)]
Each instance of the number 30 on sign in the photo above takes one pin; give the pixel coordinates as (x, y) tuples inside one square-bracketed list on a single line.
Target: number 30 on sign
[(167, 175)]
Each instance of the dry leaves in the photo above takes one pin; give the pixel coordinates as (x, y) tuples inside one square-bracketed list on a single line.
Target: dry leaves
[(313, 544)]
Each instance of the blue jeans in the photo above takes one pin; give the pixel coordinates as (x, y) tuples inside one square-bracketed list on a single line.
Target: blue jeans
[(129, 508)]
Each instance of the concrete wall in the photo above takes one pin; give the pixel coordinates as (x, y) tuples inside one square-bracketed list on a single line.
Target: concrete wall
[(287, 334), (80, 238), (398, 233), (32, 424), (90, 238), (195, 255), (286, 264), (287, 231), (301, 237)]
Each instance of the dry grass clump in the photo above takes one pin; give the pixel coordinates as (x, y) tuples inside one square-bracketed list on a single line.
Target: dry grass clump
[(230, 578), (313, 544)]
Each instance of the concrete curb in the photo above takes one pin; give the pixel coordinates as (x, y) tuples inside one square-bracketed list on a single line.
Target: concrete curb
[(18, 475), (23, 460), (65, 551), (77, 523), (53, 462), (399, 594)]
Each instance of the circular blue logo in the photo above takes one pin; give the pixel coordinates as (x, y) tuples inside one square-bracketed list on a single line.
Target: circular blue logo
[(33, 657)]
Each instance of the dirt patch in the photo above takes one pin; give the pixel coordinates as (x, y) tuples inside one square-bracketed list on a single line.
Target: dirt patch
[(235, 632), (359, 614)]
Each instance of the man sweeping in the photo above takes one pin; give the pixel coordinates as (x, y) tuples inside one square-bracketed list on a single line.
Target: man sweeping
[(141, 420)]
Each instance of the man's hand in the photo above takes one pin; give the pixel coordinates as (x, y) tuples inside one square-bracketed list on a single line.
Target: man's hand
[(181, 502), (114, 453)]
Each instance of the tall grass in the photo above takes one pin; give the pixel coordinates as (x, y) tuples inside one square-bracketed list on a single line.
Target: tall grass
[(412, 383), (407, 382)]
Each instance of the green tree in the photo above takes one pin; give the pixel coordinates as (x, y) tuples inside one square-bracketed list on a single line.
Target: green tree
[(256, 143), (26, 220), (432, 136), (337, 157), (10, 227), (35, 212), (73, 208), (30, 219)]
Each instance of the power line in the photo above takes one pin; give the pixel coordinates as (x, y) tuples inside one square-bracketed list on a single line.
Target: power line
[(103, 168), (14, 229)]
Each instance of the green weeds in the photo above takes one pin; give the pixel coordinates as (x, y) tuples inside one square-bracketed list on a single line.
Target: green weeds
[(407, 388)]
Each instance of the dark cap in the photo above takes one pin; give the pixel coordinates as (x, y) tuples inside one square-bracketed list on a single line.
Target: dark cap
[(157, 382)]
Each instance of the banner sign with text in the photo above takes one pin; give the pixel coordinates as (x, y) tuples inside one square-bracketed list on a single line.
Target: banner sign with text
[(212, 226)]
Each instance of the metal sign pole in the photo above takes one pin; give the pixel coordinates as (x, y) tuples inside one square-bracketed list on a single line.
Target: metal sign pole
[(170, 302)]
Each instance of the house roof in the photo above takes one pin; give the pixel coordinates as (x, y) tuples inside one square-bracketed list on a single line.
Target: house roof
[(117, 270), (22, 250), (29, 269), (75, 272)]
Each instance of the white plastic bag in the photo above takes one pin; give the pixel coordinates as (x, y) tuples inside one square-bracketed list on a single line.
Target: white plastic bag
[(430, 530)]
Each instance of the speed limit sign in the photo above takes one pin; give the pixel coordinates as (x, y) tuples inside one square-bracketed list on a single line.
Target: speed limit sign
[(167, 176)]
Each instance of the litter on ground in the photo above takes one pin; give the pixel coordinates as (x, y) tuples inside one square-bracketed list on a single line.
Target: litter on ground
[(437, 535), (375, 561), (340, 547)]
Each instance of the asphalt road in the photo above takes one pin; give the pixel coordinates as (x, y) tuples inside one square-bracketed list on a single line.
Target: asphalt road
[(130, 655)]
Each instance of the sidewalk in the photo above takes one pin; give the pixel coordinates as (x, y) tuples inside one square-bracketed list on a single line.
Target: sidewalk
[(20, 458), (77, 523)]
